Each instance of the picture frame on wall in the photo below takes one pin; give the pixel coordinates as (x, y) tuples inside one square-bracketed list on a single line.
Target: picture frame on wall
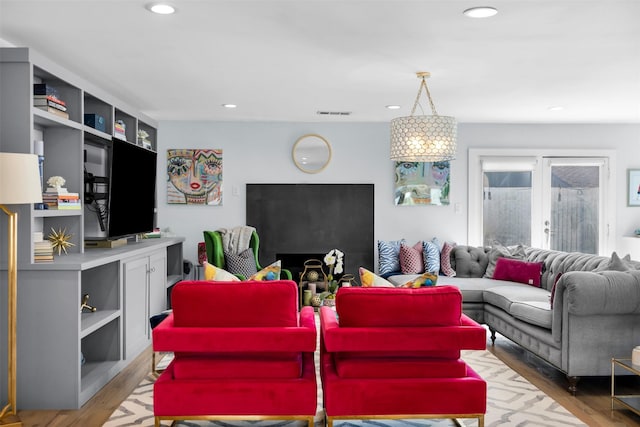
[(633, 192)]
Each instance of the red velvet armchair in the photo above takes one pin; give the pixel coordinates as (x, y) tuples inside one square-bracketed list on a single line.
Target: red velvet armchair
[(241, 351), (395, 353)]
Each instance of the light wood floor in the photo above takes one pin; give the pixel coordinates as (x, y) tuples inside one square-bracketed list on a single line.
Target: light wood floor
[(592, 404)]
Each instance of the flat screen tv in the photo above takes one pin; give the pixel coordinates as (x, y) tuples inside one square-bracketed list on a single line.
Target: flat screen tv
[(132, 190)]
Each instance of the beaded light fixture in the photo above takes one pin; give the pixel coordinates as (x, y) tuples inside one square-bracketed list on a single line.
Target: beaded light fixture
[(423, 138)]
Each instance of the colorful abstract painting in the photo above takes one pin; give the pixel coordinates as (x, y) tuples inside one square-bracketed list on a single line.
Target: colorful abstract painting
[(194, 176), (421, 183)]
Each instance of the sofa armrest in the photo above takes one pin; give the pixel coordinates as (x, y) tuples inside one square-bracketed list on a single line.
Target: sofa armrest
[(469, 335), (583, 293), (168, 337)]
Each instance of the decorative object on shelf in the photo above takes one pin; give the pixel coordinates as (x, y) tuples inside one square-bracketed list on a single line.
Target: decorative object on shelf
[(311, 153), (19, 184), (95, 121), (421, 183), (84, 304), (312, 272), (316, 300), (60, 240), (634, 187), (329, 300), (307, 295), (120, 129), (194, 176), (57, 182), (347, 280), (334, 260), (143, 139), (423, 138)]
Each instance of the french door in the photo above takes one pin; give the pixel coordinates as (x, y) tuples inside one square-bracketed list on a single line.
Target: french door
[(550, 202)]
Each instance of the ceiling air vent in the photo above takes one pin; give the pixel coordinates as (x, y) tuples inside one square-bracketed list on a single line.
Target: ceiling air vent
[(333, 113)]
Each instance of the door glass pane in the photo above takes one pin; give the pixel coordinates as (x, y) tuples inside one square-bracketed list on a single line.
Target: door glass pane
[(575, 199), (506, 208)]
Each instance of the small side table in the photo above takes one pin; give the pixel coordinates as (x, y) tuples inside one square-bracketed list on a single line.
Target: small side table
[(629, 401)]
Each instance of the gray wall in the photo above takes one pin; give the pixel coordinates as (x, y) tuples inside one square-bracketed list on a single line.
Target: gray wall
[(257, 152)]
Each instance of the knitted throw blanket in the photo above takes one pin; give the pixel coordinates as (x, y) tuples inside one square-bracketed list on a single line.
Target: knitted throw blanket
[(237, 239)]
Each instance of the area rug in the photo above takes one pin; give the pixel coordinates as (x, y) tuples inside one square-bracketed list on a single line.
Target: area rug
[(512, 401)]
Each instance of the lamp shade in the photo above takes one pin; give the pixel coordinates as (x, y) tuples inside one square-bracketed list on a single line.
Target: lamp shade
[(423, 138), (19, 179)]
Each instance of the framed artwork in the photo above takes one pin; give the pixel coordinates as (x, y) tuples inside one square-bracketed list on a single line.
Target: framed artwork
[(633, 192), (194, 176), (421, 183)]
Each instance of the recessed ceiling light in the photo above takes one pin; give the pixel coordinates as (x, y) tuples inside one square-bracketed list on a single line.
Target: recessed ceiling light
[(229, 105), (556, 108), (480, 12), (392, 107), (161, 8)]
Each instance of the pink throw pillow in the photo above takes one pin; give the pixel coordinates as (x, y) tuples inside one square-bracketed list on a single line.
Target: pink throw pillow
[(519, 271), (445, 259), (411, 259)]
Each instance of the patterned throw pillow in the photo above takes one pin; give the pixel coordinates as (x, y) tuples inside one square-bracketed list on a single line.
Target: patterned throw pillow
[(388, 256), (425, 279), (431, 257), (215, 274), (271, 272), (411, 260), (445, 259), (372, 280), (242, 263)]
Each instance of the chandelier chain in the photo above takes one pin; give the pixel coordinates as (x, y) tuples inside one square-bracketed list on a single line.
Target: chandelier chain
[(426, 89)]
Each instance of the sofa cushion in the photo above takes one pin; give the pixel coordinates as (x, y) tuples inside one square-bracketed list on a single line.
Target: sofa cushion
[(241, 263), (469, 261), (534, 312), (519, 271), (445, 259), (431, 256), (270, 272), (503, 296), (368, 279), (388, 256), (411, 259), (216, 274), (514, 252), (372, 365), (395, 307), (425, 279), (237, 365)]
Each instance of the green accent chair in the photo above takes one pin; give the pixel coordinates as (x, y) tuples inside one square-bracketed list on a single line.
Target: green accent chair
[(215, 253)]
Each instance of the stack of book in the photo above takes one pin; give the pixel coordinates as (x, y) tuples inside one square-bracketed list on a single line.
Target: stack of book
[(46, 98), (119, 130), (60, 198), (42, 249)]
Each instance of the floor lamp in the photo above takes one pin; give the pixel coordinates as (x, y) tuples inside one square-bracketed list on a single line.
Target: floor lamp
[(19, 184)]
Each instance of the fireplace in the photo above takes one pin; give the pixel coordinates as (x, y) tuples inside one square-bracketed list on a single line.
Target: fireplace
[(298, 220)]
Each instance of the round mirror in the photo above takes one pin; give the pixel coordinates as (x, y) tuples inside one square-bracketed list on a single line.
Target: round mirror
[(311, 153)]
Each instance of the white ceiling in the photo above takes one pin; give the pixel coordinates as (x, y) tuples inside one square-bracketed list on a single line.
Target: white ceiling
[(285, 60)]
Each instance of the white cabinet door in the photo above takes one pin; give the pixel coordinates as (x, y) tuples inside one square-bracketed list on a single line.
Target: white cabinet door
[(136, 311), (157, 285)]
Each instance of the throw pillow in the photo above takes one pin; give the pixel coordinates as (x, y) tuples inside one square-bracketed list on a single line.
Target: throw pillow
[(271, 272), (431, 257), (411, 260), (616, 264), (519, 271), (369, 279), (388, 256), (241, 263), (425, 279), (553, 289), (445, 259), (216, 274)]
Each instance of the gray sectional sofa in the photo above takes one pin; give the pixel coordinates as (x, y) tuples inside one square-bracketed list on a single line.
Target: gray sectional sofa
[(594, 315)]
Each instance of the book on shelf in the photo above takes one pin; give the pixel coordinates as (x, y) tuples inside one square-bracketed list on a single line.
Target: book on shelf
[(42, 251), (48, 103), (58, 190), (53, 110), (50, 98)]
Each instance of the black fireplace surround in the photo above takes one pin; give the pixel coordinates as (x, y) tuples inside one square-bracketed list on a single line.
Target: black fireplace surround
[(306, 220)]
